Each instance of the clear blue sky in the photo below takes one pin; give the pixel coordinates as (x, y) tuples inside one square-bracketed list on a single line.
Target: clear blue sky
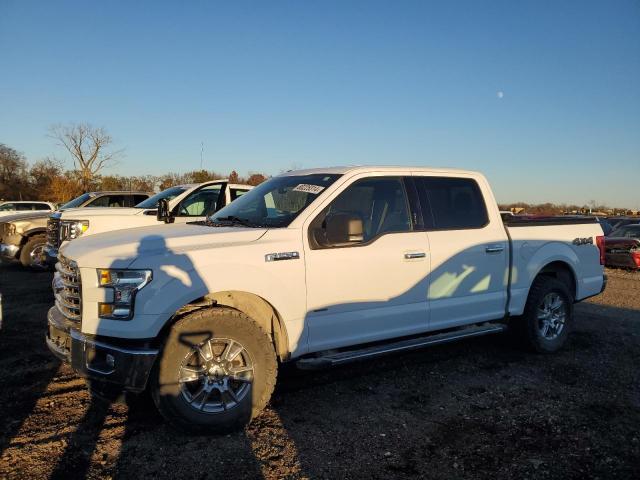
[(271, 85)]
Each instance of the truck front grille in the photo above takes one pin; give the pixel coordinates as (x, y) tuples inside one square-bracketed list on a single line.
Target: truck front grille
[(53, 232), (67, 288)]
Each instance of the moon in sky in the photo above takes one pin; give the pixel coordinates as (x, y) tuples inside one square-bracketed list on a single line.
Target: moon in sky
[(499, 94)]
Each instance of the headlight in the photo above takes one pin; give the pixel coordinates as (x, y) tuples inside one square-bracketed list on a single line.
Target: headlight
[(71, 229), (125, 284)]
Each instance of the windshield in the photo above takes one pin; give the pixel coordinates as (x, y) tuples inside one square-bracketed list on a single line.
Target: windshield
[(76, 202), (170, 193), (276, 202), (630, 231)]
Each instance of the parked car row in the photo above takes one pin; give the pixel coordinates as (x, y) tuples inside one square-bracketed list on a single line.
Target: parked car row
[(23, 235), (318, 267)]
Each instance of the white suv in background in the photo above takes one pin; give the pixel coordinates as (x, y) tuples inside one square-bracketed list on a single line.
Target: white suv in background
[(10, 208)]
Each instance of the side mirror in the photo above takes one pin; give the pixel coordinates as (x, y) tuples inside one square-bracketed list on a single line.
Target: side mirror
[(164, 215), (344, 229)]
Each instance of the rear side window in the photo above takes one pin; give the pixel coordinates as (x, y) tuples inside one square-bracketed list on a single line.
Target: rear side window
[(236, 192), (108, 201), (42, 206), (451, 203), (139, 198)]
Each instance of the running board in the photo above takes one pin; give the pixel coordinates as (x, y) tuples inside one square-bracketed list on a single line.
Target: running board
[(347, 356)]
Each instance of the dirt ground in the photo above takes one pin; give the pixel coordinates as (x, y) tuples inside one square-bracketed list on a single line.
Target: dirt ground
[(476, 409)]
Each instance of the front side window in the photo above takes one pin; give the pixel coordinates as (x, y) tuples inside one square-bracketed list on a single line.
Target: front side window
[(364, 211), (276, 202), (108, 201), (7, 207), (77, 202), (169, 194), (200, 203), (451, 203), (42, 206)]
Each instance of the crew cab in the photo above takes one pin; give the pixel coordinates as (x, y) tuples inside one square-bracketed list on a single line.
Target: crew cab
[(23, 234), (318, 267), (186, 203)]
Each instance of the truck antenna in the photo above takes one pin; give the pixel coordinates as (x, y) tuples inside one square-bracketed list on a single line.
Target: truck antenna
[(201, 153)]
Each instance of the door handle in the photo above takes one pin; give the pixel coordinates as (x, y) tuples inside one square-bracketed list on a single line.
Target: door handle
[(494, 249), (414, 255)]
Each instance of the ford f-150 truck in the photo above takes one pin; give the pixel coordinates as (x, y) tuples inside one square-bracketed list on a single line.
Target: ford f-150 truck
[(23, 234), (186, 203), (318, 267)]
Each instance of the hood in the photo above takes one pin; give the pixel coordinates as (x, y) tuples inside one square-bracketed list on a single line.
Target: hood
[(118, 249), (86, 212), (25, 216)]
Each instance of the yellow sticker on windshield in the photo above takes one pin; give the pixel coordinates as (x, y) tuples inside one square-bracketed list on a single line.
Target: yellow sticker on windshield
[(305, 187)]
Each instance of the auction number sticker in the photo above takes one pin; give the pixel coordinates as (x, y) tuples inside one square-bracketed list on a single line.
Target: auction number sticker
[(305, 187)]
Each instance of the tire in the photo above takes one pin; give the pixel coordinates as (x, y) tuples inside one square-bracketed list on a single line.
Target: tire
[(31, 250), (548, 316), (228, 368)]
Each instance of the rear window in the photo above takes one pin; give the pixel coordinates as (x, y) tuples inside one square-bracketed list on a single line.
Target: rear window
[(452, 203)]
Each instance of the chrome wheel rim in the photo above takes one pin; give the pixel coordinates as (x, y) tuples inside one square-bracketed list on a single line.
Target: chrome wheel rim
[(216, 375), (552, 315), (35, 255)]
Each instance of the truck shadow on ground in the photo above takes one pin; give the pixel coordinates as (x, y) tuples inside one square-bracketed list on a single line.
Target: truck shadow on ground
[(406, 414), (21, 344)]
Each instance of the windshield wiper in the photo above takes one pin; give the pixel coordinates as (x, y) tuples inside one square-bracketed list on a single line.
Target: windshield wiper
[(230, 221)]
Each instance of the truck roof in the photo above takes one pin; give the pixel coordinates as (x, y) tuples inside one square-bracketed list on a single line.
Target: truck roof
[(120, 192), (377, 168)]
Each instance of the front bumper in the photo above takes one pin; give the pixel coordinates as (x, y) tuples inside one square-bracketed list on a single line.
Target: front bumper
[(49, 255), (97, 360), (9, 251)]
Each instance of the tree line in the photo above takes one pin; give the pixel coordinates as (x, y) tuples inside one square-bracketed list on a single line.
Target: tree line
[(90, 150)]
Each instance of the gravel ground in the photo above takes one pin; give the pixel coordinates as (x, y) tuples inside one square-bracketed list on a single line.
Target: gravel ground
[(476, 409)]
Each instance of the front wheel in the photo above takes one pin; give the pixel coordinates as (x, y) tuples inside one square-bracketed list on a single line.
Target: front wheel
[(548, 316), (31, 253), (216, 371)]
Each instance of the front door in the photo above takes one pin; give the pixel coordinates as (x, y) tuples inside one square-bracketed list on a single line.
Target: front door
[(374, 285)]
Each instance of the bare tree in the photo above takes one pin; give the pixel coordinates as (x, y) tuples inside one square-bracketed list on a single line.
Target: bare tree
[(89, 148), (13, 173)]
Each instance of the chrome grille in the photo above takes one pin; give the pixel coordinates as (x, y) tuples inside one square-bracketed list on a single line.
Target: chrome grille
[(53, 232), (67, 288)]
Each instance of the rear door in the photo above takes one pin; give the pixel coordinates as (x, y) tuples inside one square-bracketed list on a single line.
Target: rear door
[(468, 252)]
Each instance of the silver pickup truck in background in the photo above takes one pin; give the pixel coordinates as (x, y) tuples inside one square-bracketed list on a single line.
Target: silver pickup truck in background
[(23, 235)]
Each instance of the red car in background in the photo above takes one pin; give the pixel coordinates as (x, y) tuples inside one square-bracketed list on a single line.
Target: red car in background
[(622, 247)]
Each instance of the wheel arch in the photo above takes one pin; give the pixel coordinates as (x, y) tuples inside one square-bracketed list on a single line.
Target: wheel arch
[(252, 305), (26, 236), (562, 271)]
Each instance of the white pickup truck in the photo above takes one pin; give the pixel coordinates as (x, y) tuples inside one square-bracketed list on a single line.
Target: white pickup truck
[(319, 267), (186, 203)]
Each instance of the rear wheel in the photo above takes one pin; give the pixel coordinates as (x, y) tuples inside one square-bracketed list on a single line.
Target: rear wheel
[(216, 372), (31, 253), (548, 315)]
